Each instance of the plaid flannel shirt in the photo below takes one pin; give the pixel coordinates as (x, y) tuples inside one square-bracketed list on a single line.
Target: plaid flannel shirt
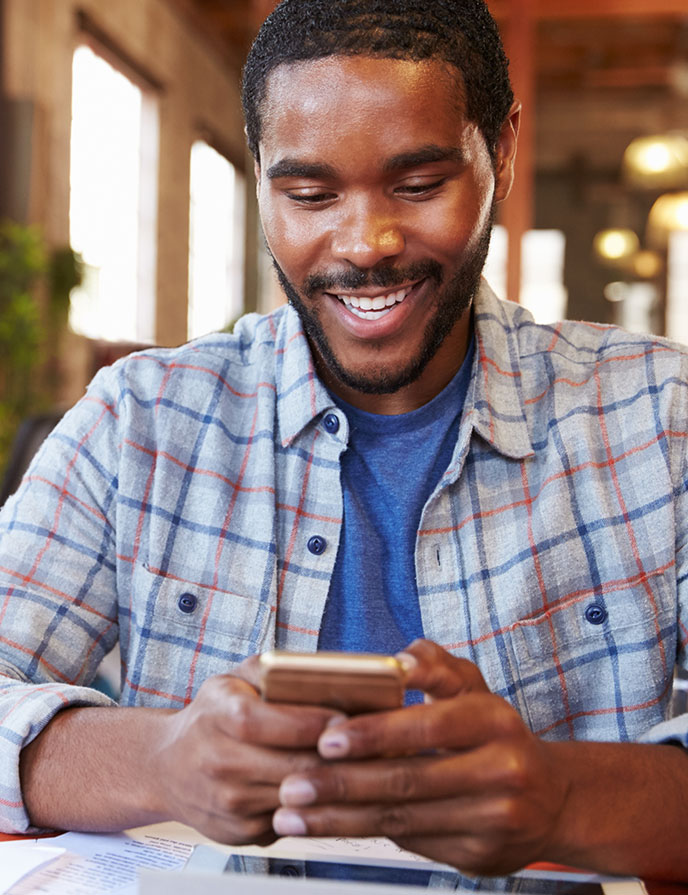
[(173, 509)]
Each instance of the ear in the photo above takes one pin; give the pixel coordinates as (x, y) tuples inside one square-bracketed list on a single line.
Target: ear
[(256, 171), (505, 155)]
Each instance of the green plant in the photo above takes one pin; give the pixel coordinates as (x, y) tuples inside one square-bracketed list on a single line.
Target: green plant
[(35, 284)]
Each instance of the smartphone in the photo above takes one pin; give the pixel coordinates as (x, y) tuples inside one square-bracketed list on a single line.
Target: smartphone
[(351, 682)]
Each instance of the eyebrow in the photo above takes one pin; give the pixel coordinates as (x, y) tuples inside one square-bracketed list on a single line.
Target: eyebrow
[(291, 167), (425, 155)]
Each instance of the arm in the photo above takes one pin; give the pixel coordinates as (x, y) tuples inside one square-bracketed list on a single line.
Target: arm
[(482, 792), (216, 764), (68, 590)]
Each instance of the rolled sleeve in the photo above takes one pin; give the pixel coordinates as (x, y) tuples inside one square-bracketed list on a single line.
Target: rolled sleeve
[(25, 709), (58, 593), (675, 730)]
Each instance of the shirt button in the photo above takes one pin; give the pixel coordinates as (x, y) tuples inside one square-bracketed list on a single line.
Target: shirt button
[(596, 614), (187, 602), (317, 545), (331, 423)]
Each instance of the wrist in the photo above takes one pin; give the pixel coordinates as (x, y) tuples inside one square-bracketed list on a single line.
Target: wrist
[(624, 808)]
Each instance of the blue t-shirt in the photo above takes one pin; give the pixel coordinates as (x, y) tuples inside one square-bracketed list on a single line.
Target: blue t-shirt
[(389, 470)]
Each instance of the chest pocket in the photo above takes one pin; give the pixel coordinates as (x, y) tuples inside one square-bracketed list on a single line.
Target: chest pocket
[(596, 668), (182, 633)]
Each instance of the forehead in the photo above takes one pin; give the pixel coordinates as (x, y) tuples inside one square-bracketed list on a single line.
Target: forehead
[(354, 100)]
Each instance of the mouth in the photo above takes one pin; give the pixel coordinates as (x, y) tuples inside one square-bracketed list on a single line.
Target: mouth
[(375, 307)]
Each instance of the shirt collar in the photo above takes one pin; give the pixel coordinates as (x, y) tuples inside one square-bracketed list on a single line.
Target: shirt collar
[(301, 396), (494, 399)]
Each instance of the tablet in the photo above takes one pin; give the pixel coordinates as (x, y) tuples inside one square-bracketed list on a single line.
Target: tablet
[(416, 877)]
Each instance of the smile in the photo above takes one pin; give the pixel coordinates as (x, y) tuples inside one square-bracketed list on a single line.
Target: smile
[(374, 307)]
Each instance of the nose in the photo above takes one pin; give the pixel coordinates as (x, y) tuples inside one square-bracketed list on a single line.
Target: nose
[(367, 235)]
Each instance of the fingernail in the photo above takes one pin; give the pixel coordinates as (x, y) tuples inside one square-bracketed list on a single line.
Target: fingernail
[(297, 792), (407, 661), (288, 823), (336, 719), (333, 744)]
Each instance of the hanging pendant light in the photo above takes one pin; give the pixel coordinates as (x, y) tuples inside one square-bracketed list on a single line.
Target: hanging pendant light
[(616, 245), (657, 162), (668, 215)]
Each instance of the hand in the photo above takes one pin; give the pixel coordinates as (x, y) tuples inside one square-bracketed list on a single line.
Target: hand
[(226, 753), (476, 789)]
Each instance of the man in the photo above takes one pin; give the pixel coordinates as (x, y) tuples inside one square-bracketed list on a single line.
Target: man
[(396, 454)]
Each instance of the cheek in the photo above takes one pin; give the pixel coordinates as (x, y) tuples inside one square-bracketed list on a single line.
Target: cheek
[(292, 239), (465, 229), (455, 226)]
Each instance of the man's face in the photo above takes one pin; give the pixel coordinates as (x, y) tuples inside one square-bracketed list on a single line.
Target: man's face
[(376, 196)]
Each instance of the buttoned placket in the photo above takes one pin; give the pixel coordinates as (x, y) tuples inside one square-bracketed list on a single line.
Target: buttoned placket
[(317, 539)]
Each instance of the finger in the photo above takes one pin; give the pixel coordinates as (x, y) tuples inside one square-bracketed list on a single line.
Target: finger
[(254, 765), (238, 711), (245, 801), (249, 671), (462, 816), (235, 830), (492, 768), (235, 795), (464, 722), (437, 673)]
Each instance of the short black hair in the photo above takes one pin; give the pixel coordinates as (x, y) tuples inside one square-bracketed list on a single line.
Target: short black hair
[(461, 33)]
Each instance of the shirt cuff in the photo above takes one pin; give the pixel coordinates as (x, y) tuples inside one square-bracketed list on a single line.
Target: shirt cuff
[(25, 709), (673, 731)]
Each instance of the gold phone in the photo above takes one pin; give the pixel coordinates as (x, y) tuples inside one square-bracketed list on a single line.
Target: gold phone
[(351, 682)]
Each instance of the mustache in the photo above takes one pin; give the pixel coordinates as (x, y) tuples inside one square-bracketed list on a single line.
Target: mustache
[(383, 277)]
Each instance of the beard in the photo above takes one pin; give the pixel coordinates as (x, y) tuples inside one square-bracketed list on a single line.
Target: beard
[(453, 299)]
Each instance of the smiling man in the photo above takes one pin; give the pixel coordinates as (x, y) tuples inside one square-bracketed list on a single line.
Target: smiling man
[(381, 233), (394, 461)]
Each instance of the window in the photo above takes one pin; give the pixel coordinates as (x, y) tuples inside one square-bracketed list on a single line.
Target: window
[(542, 275), (496, 261), (677, 289), (542, 272), (216, 242), (113, 201)]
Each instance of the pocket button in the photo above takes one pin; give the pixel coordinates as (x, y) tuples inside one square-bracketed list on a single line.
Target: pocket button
[(596, 614), (187, 602)]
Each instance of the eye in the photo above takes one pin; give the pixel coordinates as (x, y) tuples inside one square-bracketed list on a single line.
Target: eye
[(421, 190), (311, 197)]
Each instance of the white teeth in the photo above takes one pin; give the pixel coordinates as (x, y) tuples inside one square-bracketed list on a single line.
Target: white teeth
[(369, 315), (373, 308)]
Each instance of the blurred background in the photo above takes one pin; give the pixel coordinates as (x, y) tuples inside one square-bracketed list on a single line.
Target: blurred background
[(127, 212)]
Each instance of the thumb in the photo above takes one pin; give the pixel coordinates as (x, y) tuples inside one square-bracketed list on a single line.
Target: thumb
[(437, 673)]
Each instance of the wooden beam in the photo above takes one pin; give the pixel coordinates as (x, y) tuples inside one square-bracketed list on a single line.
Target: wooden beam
[(593, 9), (517, 212)]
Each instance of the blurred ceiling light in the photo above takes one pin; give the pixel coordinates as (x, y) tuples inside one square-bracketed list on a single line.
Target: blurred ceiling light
[(615, 292), (678, 77), (660, 161), (616, 245), (646, 264), (667, 215)]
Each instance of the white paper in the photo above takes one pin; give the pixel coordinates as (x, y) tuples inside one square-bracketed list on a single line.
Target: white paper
[(19, 858), (378, 849), (94, 863), (373, 850)]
